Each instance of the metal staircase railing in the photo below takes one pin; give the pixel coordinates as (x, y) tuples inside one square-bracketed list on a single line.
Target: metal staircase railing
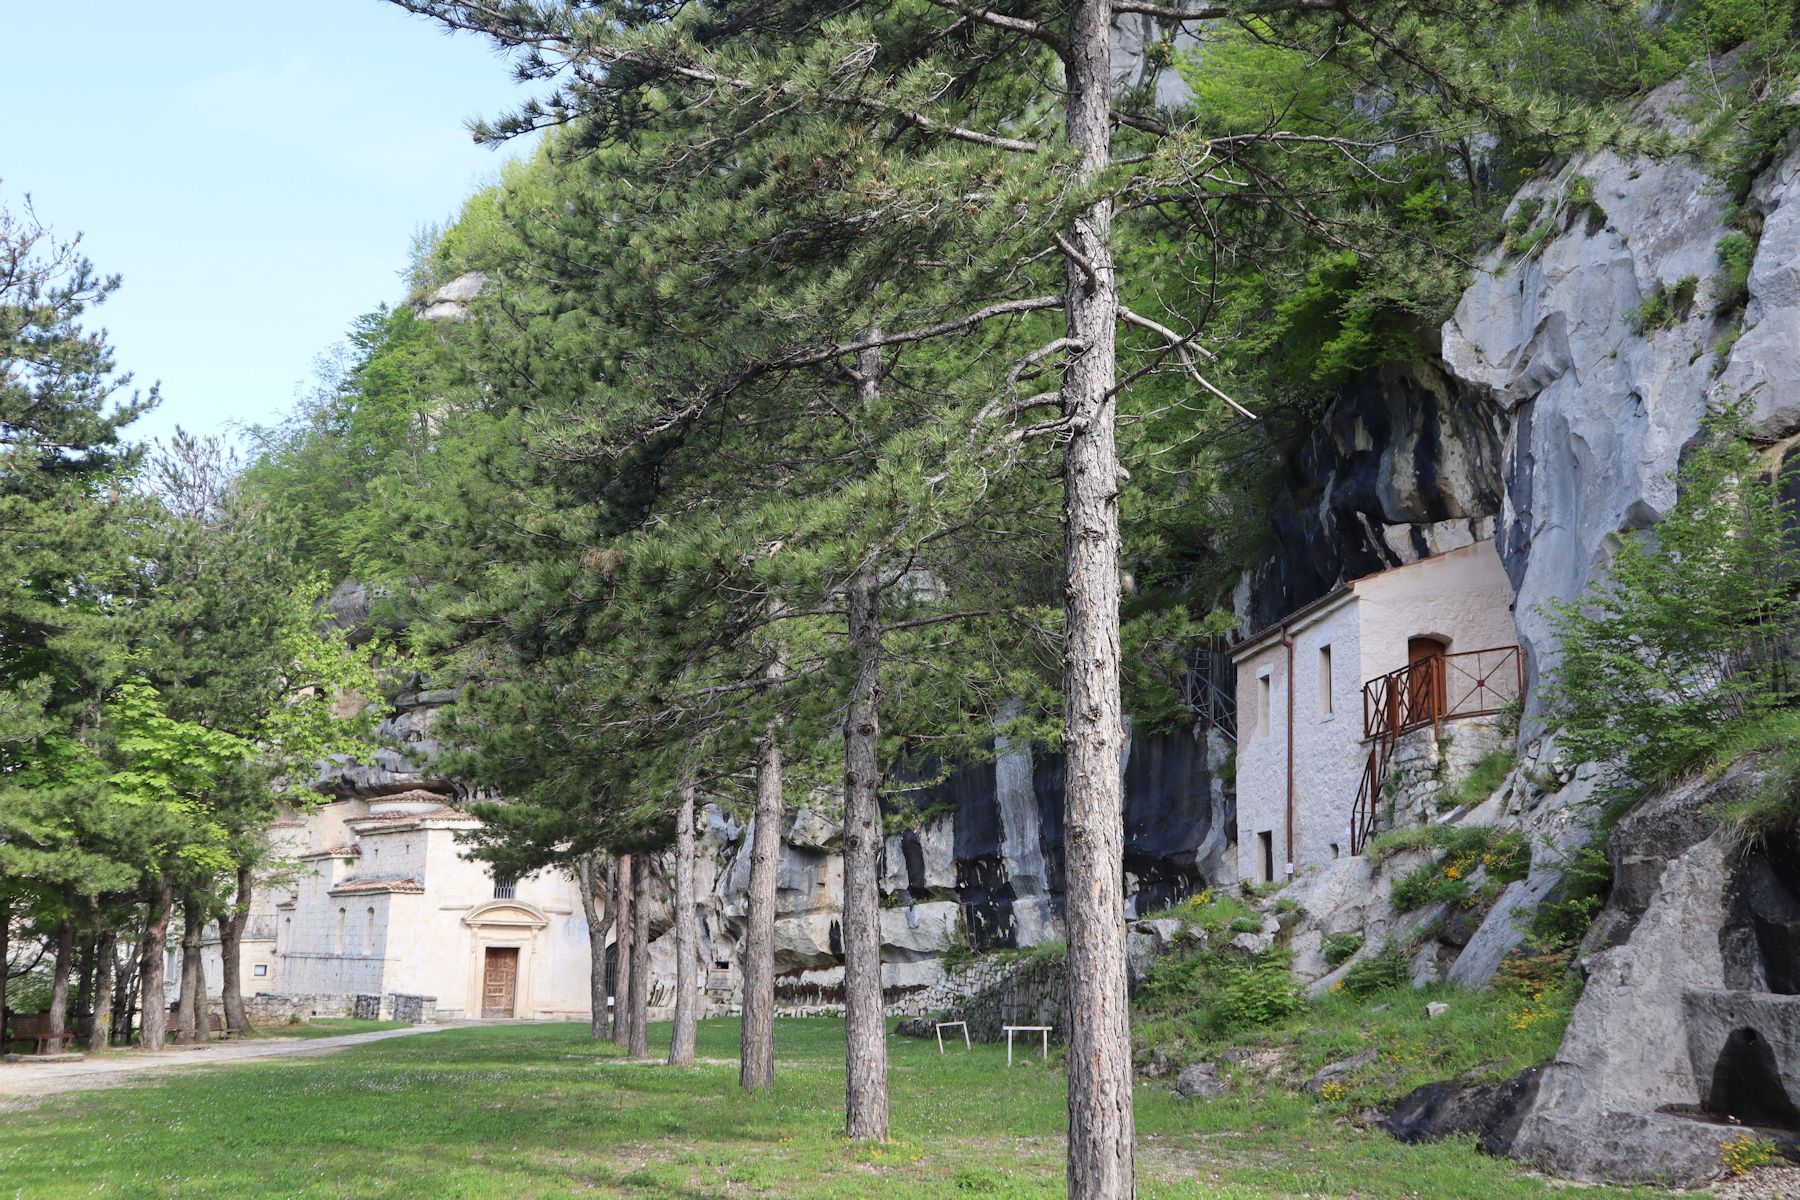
[(1444, 687)]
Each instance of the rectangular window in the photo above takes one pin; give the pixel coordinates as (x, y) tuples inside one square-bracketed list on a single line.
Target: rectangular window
[(504, 887), (1263, 688), (260, 969), (1265, 843), (1324, 681)]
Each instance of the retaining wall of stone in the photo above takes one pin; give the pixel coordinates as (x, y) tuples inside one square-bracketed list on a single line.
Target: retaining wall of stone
[(1034, 992)]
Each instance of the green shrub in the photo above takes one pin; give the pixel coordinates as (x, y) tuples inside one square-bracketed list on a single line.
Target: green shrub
[(1257, 991), (1389, 969), (1339, 948), (1736, 252), (1457, 851), (1563, 919), (1218, 912), (1773, 802), (1414, 839), (1664, 306), (1413, 889), (1508, 857), (1437, 882), (1210, 993)]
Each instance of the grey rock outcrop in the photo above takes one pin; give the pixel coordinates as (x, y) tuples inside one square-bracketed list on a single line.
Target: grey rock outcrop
[(1405, 463), (451, 302), (1678, 1042), (1334, 1072), (1200, 1081), (1600, 411)]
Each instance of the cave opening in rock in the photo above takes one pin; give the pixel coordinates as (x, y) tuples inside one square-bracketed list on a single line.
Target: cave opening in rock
[(1746, 1084)]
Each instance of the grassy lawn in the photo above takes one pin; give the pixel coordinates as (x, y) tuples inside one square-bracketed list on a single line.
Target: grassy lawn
[(519, 1112)]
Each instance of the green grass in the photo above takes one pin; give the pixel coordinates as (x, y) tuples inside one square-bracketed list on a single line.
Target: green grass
[(1217, 912), (522, 1112)]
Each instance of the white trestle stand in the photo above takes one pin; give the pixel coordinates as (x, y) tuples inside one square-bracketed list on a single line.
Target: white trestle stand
[(1012, 1029), (943, 1025)]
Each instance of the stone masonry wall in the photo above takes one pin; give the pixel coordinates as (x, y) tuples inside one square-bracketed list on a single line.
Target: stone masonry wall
[(1030, 993), (1429, 763)]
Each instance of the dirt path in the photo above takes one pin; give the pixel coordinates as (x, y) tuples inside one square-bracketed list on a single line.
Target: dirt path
[(24, 1083)]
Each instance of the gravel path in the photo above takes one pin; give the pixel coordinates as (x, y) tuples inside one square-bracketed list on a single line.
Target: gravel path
[(23, 1083)]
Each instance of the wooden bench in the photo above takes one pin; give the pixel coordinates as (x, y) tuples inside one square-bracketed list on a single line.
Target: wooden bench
[(35, 1027), (65, 1039)]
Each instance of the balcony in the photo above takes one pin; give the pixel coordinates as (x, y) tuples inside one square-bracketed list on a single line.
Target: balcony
[(1441, 687)]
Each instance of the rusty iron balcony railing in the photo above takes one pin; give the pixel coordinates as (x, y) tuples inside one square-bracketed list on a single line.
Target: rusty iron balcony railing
[(1443, 687)]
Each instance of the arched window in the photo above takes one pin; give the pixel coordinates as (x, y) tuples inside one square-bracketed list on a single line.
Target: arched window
[(369, 932), (340, 931)]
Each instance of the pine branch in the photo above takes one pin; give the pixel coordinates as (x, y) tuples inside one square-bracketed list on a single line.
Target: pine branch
[(1165, 12), (513, 31)]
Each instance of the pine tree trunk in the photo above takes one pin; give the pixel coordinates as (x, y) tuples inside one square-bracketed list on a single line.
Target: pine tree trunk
[(59, 978), (865, 1096), (84, 989), (622, 928), (154, 1020), (105, 950), (687, 984), (592, 878), (190, 1013), (756, 1045), (231, 949), (1101, 1163), (640, 960), (5, 944)]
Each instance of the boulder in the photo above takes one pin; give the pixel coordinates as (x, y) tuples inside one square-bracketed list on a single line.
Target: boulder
[(810, 829), (451, 302), (1489, 1111), (1336, 1071), (1145, 941), (1199, 1081), (1152, 1063), (1677, 1044), (810, 940)]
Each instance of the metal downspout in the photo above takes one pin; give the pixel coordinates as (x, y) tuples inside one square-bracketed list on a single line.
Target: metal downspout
[(1287, 640)]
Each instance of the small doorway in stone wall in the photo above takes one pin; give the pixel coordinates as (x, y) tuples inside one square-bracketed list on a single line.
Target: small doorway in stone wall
[(499, 981), (1425, 679)]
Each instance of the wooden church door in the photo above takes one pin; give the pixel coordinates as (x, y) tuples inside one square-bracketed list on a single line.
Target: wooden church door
[(499, 981)]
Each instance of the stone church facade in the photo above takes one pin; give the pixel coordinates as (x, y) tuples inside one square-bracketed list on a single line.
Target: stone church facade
[(374, 897)]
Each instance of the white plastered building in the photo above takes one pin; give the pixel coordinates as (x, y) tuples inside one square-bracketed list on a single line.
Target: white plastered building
[(1302, 751)]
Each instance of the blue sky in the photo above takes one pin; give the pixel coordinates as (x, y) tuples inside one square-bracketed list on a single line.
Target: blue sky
[(255, 170)]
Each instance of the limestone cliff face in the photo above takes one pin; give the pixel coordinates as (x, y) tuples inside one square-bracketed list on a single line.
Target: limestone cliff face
[(1566, 415), (1405, 464), (1551, 420), (976, 861), (1598, 412)]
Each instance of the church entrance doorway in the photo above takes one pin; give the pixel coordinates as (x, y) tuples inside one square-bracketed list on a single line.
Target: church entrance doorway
[(499, 981)]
